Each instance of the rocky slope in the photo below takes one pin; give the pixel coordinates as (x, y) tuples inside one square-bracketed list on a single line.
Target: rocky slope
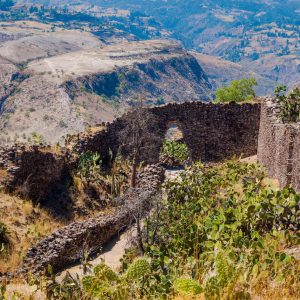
[(221, 72), (262, 36), (62, 82)]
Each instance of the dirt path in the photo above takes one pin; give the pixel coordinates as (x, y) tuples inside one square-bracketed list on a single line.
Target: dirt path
[(111, 256)]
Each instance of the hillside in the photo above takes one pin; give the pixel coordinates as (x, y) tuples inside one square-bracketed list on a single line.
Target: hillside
[(59, 81), (221, 72), (262, 36), (221, 228)]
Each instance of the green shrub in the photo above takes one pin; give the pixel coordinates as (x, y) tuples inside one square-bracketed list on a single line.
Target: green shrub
[(174, 152), (106, 284), (37, 138), (226, 221), (238, 91), (187, 286), (89, 165), (289, 104), (138, 269)]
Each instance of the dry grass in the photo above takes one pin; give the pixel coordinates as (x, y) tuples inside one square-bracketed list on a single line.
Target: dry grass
[(23, 291), (269, 294), (259, 290), (26, 224)]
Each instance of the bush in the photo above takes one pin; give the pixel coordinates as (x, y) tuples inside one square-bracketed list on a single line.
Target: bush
[(289, 104), (106, 284), (89, 165), (221, 232), (187, 286), (174, 153), (225, 228), (238, 91)]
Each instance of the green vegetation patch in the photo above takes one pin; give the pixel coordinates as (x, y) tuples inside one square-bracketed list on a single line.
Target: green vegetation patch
[(174, 153), (238, 91), (225, 228), (289, 104), (220, 232)]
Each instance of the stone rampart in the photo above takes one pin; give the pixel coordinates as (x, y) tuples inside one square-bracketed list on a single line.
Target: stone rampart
[(213, 132), (31, 171), (279, 146)]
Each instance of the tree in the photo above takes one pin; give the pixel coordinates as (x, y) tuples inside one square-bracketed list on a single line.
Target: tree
[(238, 91), (6, 4), (138, 139)]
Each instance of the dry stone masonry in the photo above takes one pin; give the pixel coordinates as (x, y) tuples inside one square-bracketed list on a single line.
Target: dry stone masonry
[(66, 245), (31, 171), (212, 133), (279, 146)]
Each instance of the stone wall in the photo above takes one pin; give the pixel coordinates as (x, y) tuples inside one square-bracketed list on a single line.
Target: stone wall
[(32, 171), (213, 132), (279, 147), (66, 245)]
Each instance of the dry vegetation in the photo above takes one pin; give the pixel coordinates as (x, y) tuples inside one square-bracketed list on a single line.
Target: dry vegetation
[(26, 224)]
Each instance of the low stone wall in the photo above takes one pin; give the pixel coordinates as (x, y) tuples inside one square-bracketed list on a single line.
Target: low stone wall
[(279, 147), (66, 245)]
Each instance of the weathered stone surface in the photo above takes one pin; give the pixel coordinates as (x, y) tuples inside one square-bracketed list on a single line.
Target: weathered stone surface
[(213, 132), (66, 245), (279, 146), (32, 171)]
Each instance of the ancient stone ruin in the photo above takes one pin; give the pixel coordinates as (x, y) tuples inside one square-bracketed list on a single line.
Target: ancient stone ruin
[(279, 146), (66, 245), (212, 132)]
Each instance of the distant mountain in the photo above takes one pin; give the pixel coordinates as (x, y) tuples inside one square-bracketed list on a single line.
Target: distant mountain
[(262, 36), (221, 72), (57, 78)]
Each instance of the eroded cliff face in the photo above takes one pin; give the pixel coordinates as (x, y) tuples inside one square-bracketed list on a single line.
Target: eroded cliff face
[(65, 94), (157, 81)]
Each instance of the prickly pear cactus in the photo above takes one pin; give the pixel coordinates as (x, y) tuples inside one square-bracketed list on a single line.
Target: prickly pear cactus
[(187, 286), (139, 268), (105, 273)]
